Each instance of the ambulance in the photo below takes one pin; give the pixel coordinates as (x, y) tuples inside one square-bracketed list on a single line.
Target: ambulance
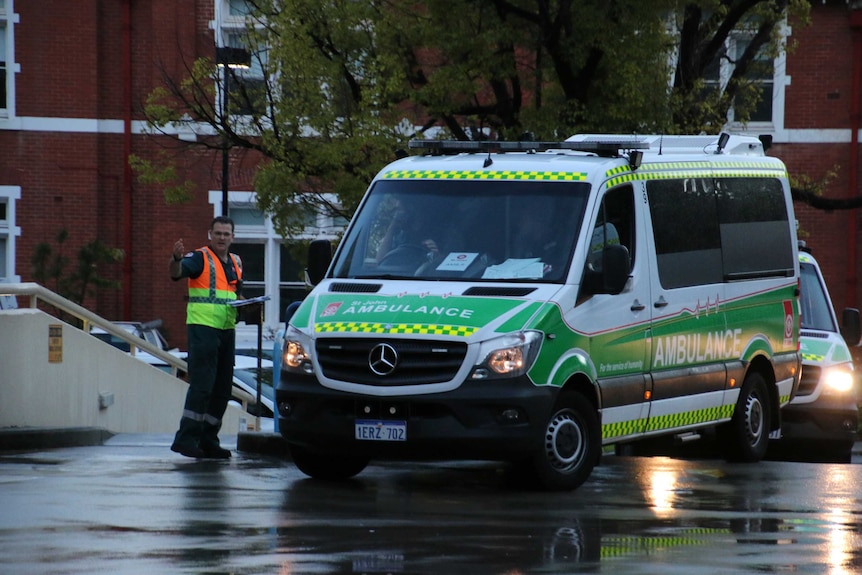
[(821, 421), (536, 302)]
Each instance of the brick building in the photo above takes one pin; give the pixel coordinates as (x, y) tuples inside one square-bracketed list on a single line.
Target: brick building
[(75, 76), (813, 134)]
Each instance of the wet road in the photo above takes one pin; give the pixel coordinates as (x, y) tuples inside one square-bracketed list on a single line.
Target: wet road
[(133, 507)]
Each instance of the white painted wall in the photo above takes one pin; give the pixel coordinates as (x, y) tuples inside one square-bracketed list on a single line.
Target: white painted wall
[(37, 393)]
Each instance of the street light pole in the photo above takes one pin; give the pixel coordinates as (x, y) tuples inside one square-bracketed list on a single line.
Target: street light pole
[(225, 159), (228, 58)]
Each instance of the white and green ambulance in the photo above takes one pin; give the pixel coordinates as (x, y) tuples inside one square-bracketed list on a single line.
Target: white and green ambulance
[(822, 420), (531, 302)]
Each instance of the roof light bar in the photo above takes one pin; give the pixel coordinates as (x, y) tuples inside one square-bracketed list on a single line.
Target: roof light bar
[(602, 148)]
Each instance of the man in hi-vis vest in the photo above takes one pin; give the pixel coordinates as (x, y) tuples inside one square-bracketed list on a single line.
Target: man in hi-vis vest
[(215, 280)]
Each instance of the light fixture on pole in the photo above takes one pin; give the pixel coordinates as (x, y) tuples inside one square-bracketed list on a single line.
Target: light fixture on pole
[(228, 59)]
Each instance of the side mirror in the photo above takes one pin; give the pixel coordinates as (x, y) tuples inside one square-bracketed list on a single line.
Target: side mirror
[(319, 258), (611, 278), (851, 329), (617, 266)]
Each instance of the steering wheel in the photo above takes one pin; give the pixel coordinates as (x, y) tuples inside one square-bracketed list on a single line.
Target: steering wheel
[(404, 256)]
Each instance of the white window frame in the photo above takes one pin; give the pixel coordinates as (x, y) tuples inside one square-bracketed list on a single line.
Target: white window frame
[(229, 30), (780, 80), (9, 195), (8, 19)]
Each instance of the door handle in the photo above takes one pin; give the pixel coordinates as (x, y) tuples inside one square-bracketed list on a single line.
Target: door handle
[(637, 306), (660, 303)]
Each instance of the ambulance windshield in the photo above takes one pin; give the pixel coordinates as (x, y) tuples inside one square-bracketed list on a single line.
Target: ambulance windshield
[(814, 306), (465, 229)]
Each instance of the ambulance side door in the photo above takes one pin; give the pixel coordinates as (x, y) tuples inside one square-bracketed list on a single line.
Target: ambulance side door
[(688, 291), (616, 325)]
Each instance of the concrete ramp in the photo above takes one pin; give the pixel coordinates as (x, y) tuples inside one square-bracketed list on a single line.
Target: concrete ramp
[(53, 374)]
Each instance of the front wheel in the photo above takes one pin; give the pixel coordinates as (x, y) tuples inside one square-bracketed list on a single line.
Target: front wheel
[(571, 444), (328, 466), (746, 436)]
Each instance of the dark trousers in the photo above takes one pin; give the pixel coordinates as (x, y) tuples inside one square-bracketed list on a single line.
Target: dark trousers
[(210, 361)]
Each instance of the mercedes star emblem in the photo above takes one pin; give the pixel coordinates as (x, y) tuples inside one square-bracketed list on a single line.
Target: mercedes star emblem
[(382, 359)]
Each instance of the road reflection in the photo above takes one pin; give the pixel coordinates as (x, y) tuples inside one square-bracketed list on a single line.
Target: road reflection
[(130, 509), (665, 510)]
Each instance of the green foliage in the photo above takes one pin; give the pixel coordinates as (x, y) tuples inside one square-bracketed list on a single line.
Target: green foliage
[(51, 267), (164, 174)]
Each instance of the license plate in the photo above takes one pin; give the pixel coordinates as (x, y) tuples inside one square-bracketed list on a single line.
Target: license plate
[(381, 430)]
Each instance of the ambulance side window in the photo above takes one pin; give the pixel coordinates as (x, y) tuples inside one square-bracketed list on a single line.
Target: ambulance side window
[(686, 231), (719, 230), (615, 225)]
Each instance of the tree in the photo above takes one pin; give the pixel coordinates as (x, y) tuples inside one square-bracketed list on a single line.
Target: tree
[(343, 85), (50, 265), (704, 29)]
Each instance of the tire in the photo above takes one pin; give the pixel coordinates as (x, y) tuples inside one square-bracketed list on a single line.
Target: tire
[(571, 445), (327, 466), (746, 436)]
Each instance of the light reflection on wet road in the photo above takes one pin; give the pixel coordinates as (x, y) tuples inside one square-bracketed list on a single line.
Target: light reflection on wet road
[(133, 507)]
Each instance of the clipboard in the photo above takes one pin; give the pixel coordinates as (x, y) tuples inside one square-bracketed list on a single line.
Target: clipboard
[(242, 302)]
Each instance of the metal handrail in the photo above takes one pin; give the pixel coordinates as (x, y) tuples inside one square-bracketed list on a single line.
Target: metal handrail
[(36, 292)]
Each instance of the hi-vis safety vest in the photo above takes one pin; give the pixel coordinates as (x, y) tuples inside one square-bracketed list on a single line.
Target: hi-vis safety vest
[(210, 293)]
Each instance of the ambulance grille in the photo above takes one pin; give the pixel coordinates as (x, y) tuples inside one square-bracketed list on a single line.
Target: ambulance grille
[(809, 379), (419, 361)]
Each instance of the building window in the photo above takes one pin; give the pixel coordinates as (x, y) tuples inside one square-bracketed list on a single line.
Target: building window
[(8, 232), (761, 73), (246, 85), (5, 33), (3, 73), (238, 7)]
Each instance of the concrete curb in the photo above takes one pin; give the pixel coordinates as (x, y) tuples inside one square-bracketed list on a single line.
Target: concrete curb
[(38, 438), (263, 443)]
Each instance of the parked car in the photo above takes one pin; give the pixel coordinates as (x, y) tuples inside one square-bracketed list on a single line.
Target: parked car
[(147, 331), (821, 422), (246, 377)]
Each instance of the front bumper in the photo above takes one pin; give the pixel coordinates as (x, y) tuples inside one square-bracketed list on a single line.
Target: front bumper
[(490, 419), (826, 420)]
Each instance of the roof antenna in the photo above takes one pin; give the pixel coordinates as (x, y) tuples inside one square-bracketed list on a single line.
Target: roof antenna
[(722, 142), (488, 160), (660, 143)]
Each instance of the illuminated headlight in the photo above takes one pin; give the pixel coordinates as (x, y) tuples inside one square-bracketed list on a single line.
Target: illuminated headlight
[(838, 379), (508, 356), (296, 356)]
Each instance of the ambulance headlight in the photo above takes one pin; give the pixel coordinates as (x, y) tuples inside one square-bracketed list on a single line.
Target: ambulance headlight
[(296, 352), (508, 356), (838, 379)]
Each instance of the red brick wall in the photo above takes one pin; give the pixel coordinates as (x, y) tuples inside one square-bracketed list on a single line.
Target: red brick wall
[(818, 97), (820, 69), (73, 65)]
